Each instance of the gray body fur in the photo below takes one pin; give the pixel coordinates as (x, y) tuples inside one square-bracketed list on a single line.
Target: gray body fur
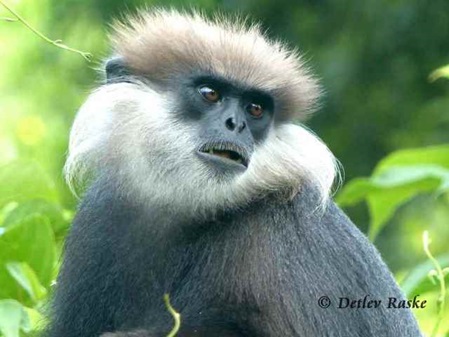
[(259, 271)]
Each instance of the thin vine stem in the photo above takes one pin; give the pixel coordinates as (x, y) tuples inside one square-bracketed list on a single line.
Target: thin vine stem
[(57, 43), (440, 277), (175, 314)]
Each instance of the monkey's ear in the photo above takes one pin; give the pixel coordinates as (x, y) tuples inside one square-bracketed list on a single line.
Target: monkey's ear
[(116, 70)]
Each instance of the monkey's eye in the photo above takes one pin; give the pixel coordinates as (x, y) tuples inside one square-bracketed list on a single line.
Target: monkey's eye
[(209, 94), (255, 110)]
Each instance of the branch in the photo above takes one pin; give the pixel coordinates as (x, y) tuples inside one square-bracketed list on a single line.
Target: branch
[(57, 43)]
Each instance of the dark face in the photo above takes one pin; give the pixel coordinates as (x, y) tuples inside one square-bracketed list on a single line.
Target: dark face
[(231, 119)]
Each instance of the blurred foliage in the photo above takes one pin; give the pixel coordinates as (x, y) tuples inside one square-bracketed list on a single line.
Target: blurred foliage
[(381, 63), (396, 179)]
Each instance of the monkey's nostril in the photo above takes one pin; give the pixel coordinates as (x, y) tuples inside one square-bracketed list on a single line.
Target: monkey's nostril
[(230, 124)]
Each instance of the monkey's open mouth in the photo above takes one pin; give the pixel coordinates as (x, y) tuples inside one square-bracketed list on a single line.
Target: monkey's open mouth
[(226, 150)]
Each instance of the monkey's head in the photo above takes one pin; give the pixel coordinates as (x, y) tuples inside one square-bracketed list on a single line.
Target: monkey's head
[(197, 114)]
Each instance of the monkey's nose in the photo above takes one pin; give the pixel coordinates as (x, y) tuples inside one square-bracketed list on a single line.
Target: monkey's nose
[(232, 124)]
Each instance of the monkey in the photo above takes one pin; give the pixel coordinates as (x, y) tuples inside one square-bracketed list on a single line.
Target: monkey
[(198, 179)]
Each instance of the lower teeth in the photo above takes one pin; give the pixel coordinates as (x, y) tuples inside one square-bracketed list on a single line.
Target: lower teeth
[(225, 155)]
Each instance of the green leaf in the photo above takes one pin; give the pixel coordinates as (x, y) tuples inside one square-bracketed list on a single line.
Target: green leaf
[(32, 242), (24, 180), (432, 155), (403, 175), (12, 316), (382, 205), (50, 210), (35, 320), (392, 188), (396, 179), (6, 210), (27, 278), (355, 191), (397, 185)]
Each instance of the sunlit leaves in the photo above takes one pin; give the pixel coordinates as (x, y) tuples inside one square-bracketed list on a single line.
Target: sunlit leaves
[(52, 211), (30, 242), (30, 216), (396, 179), (27, 279), (25, 180), (12, 316)]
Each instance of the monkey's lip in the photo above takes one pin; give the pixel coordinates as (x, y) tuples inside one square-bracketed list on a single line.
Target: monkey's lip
[(227, 151)]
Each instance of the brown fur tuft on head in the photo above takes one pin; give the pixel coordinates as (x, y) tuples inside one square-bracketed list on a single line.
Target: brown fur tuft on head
[(161, 44)]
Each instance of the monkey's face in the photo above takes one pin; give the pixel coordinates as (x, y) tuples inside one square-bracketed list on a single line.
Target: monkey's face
[(229, 120), (196, 116)]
